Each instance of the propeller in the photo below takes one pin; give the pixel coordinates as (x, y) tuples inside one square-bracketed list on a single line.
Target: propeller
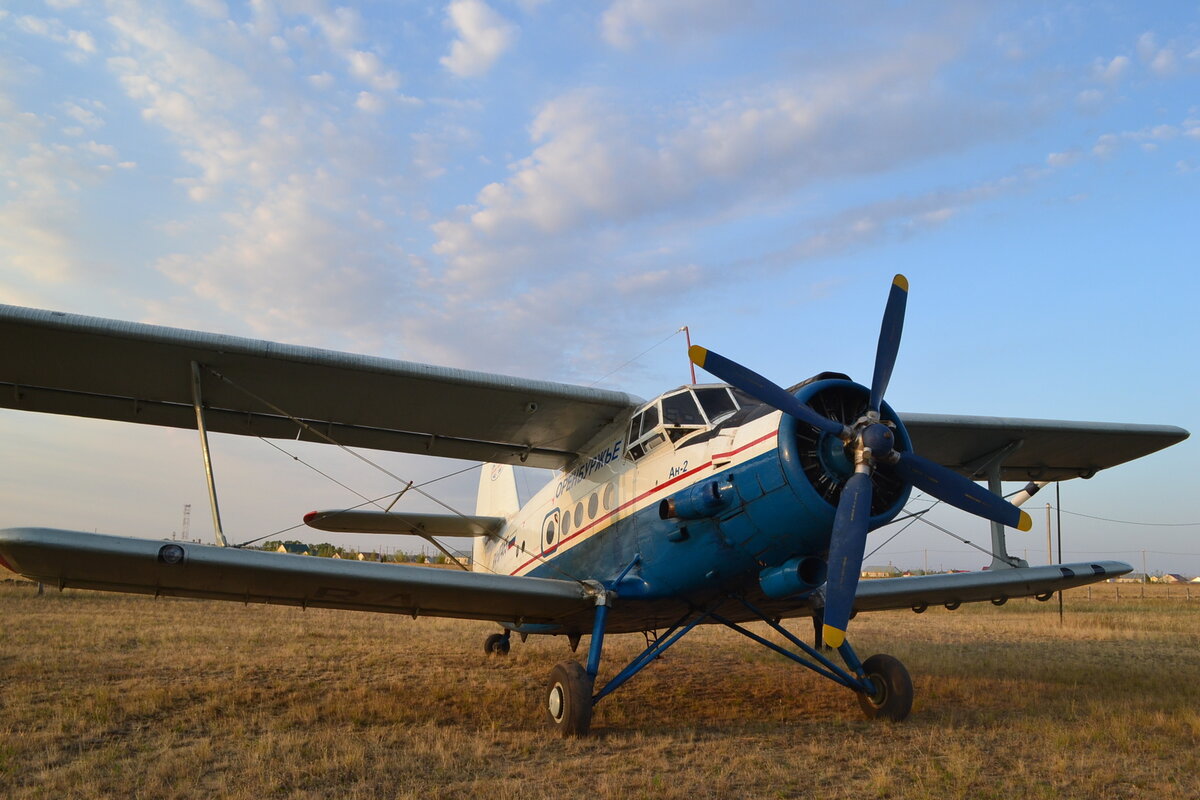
[(871, 443)]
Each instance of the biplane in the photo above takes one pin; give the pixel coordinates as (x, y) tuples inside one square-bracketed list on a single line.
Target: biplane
[(730, 502)]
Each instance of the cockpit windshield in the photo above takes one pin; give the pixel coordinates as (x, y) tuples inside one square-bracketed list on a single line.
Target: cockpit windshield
[(677, 415)]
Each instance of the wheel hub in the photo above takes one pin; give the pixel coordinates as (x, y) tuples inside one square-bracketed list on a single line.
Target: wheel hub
[(555, 703)]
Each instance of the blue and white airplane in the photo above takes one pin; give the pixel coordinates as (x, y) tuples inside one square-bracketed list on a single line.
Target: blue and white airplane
[(721, 503)]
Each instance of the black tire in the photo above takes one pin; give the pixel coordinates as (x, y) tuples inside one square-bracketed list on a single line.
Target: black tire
[(893, 696), (569, 699), (496, 645)]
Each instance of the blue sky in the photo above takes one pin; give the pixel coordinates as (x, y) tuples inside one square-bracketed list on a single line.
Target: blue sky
[(547, 189)]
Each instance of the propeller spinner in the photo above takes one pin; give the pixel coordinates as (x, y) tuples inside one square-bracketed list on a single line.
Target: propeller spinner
[(871, 444)]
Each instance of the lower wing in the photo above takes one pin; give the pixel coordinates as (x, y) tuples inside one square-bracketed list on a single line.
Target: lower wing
[(183, 569)]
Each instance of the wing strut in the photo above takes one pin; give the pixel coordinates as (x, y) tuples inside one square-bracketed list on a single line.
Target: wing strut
[(208, 469)]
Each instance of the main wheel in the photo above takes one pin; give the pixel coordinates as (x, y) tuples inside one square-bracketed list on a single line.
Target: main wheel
[(569, 699), (893, 694), (496, 645)]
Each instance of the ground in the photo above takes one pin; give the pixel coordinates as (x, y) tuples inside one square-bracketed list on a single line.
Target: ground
[(119, 696)]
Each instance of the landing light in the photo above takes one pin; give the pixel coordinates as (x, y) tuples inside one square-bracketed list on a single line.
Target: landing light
[(171, 554)]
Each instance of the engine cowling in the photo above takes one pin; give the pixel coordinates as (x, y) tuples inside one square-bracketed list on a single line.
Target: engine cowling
[(817, 465)]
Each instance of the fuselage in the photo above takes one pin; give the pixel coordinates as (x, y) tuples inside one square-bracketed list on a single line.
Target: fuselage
[(703, 492)]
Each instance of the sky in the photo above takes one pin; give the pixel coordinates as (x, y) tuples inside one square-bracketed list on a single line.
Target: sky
[(550, 189)]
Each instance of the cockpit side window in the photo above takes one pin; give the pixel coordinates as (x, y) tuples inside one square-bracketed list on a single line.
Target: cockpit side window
[(681, 415), (681, 409)]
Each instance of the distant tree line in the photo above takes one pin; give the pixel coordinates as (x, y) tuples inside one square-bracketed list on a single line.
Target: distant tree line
[(327, 550)]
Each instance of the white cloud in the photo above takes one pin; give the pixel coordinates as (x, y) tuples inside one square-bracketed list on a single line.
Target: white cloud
[(370, 103), (596, 166), (85, 116), (626, 22), (1112, 70), (483, 37), (367, 67), (342, 28), (321, 81), (299, 254), (82, 42), (1147, 138), (1064, 159), (1161, 60), (213, 9), (39, 208)]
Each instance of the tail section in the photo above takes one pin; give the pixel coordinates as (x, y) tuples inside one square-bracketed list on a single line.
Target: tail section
[(497, 498), (497, 491)]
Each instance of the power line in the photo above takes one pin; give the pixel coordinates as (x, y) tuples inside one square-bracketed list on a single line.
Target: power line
[(1131, 522)]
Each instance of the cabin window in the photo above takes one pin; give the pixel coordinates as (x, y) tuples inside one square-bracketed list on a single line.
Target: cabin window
[(566, 525), (550, 529), (593, 505), (578, 513), (610, 497)]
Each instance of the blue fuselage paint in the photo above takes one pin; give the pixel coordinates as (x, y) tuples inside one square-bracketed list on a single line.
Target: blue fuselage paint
[(605, 512)]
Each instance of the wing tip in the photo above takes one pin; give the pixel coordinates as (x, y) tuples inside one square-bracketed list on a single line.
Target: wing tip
[(697, 354), (900, 282)]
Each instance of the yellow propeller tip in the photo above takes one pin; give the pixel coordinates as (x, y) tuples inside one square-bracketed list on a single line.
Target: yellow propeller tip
[(833, 636), (900, 281), (697, 354), (1025, 523)]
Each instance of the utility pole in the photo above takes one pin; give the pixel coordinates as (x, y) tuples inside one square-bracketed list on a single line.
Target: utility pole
[(1145, 575), (187, 522), (1058, 505), (1049, 551)]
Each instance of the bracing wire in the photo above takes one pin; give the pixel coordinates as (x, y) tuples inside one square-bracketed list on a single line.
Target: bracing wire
[(409, 484)]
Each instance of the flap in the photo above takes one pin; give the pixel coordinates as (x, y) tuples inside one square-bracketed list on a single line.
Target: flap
[(394, 522)]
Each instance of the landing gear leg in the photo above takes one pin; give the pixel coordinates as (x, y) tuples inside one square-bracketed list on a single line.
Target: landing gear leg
[(497, 644), (569, 700)]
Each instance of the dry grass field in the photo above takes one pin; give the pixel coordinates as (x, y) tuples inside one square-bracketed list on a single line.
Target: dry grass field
[(110, 696)]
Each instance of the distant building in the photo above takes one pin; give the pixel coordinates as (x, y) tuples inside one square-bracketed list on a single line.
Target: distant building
[(1132, 577), (880, 572), (295, 548), (1172, 577)]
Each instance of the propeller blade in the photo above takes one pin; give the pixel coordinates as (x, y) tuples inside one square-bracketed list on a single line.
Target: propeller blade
[(889, 340), (846, 547), (960, 492), (762, 389)]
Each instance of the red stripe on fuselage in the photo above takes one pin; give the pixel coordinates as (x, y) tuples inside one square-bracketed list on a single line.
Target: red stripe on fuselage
[(644, 495)]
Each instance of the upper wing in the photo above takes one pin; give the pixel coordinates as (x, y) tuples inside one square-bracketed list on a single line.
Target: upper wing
[(144, 566), (1046, 450), (90, 367)]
